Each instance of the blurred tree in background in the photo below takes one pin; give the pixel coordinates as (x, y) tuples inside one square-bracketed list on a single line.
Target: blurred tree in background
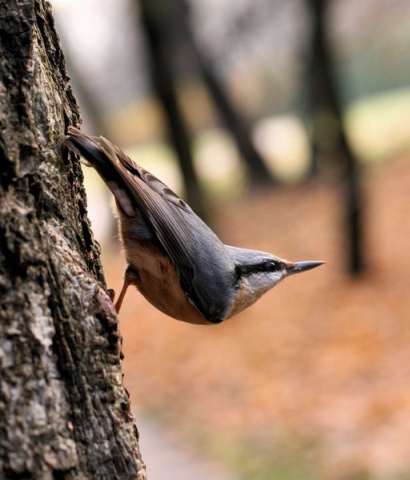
[(157, 23), (167, 28), (326, 117)]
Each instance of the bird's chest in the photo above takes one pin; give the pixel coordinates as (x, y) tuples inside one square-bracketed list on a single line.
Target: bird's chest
[(159, 283)]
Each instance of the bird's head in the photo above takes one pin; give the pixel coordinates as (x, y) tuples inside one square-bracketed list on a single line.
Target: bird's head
[(258, 272)]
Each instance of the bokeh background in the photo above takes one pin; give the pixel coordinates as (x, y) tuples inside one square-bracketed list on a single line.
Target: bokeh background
[(285, 124)]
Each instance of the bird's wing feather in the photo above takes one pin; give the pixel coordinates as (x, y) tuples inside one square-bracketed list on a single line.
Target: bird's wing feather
[(157, 202), (148, 178), (174, 222)]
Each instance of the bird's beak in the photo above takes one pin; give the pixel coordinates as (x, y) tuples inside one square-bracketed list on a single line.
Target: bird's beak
[(298, 267)]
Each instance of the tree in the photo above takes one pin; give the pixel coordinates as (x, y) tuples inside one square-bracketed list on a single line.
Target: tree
[(64, 412), (258, 173), (324, 99), (167, 29), (165, 87)]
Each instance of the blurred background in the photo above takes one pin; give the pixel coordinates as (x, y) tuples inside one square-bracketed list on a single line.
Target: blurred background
[(285, 124)]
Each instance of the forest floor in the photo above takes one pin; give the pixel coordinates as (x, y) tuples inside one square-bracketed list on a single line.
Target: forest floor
[(313, 381)]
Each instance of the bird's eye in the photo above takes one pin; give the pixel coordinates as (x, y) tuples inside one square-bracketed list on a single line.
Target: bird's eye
[(271, 266)]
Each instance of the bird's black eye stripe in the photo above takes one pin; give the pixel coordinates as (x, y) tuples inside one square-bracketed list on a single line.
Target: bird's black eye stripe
[(268, 266)]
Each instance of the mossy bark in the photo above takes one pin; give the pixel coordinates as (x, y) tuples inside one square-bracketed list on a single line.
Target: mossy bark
[(64, 412)]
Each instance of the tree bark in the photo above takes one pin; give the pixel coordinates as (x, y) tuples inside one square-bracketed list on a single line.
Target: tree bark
[(64, 412)]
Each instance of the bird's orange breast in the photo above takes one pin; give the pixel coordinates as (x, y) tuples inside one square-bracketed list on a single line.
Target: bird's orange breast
[(158, 281)]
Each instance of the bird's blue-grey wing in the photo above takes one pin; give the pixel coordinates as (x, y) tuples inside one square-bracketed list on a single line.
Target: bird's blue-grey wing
[(204, 265)]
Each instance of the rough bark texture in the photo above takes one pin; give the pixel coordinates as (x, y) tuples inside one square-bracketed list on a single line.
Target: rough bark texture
[(64, 412)]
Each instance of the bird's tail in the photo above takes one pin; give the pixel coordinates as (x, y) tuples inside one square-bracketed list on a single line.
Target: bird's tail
[(103, 157), (94, 153)]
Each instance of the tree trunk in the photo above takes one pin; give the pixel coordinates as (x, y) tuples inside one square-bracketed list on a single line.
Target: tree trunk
[(324, 98), (258, 173), (64, 412), (165, 87)]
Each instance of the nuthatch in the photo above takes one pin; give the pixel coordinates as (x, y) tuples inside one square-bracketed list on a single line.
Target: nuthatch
[(174, 259)]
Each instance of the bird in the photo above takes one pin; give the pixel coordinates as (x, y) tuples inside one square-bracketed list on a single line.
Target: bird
[(174, 259)]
